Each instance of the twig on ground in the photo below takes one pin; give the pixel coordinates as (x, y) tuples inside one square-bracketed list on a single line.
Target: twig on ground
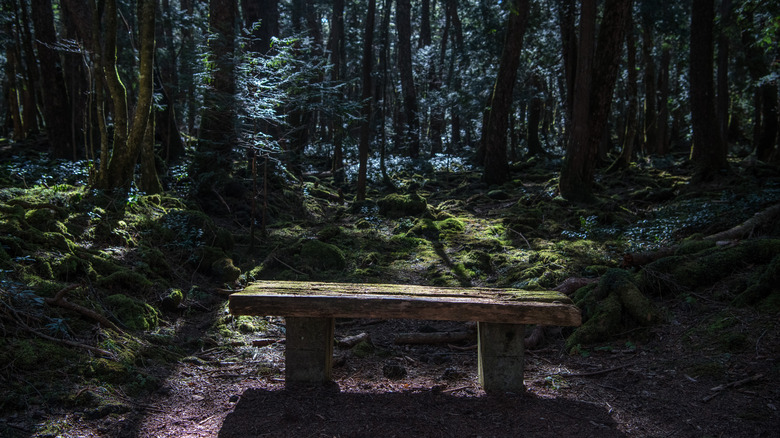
[(595, 373), (721, 388)]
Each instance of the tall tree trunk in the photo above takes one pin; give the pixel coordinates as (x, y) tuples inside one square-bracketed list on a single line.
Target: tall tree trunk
[(663, 103), (575, 182), (336, 55), (566, 20), (266, 14), (605, 69), (535, 116), (632, 101), (709, 149), (650, 113), (118, 94), (365, 125), (125, 156), (723, 68), (186, 73), (218, 125), (404, 26), (56, 109), (494, 129)]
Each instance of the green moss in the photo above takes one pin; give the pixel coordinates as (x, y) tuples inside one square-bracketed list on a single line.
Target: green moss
[(225, 270), (425, 228), (395, 205), (329, 232), (250, 324), (125, 279), (693, 246), (764, 289), (615, 305), (322, 256), (363, 349), (134, 314), (450, 227)]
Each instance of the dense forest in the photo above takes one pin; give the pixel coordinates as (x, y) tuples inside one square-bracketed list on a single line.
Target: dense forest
[(156, 155)]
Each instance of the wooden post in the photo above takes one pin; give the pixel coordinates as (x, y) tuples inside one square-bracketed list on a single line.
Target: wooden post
[(500, 361), (309, 349)]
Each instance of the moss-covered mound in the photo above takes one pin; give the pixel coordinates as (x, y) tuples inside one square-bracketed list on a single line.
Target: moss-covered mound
[(613, 305), (322, 256), (396, 206)]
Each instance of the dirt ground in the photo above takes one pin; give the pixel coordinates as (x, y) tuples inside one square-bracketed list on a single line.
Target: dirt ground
[(677, 383)]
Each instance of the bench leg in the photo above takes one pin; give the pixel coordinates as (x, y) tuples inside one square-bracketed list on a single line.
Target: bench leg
[(309, 350), (500, 360)]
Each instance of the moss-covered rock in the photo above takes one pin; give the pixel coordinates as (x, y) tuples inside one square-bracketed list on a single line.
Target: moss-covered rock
[(322, 256), (133, 313), (396, 205), (224, 270)]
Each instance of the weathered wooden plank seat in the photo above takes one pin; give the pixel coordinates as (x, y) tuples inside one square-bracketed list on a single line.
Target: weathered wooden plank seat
[(309, 309)]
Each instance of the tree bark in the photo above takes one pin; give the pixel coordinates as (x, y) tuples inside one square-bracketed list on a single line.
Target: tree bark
[(494, 129), (709, 149), (54, 94), (125, 156), (632, 101), (650, 130), (336, 46), (218, 125), (411, 136), (723, 68), (575, 182), (365, 125)]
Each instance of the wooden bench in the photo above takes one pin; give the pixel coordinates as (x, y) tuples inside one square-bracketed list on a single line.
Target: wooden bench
[(309, 309)]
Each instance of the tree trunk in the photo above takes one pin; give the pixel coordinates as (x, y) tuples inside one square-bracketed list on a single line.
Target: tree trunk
[(534, 117), (54, 94), (411, 138), (494, 128), (566, 20), (632, 101), (336, 45), (125, 156), (218, 125), (650, 113), (723, 68), (574, 181), (118, 94), (709, 151), (663, 106), (365, 125)]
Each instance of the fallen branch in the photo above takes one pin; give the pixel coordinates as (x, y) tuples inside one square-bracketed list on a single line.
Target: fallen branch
[(67, 342), (718, 389), (595, 373), (351, 341), (59, 300), (746, 228)]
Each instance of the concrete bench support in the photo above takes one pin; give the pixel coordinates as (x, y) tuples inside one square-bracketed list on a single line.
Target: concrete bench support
[(309, 349), (500, 360)]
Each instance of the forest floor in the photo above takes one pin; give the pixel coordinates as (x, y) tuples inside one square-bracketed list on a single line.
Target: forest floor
[(705, 367), (674, 385)]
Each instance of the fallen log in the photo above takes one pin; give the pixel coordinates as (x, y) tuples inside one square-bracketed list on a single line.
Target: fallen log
[(433, 338)]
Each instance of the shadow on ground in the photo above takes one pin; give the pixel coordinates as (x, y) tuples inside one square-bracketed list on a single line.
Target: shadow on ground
[(328, 412)]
